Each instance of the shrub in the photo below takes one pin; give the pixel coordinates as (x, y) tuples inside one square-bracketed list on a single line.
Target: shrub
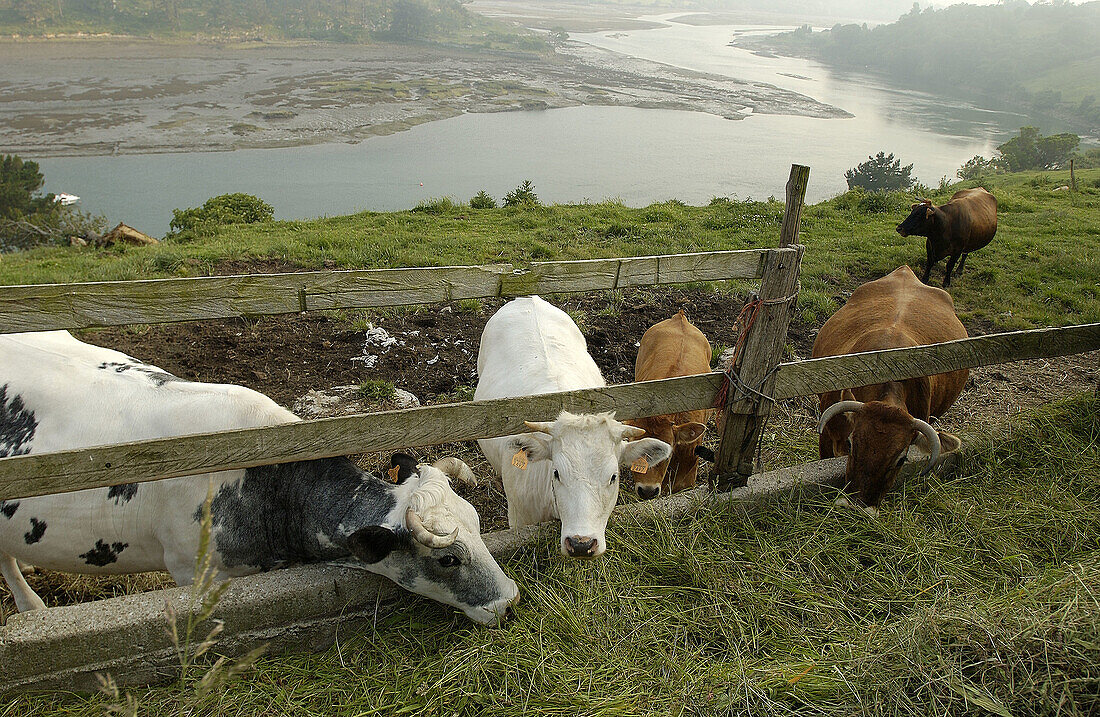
[(219, 211), (482, 200), (522, 196), (880, 173), (438, 205), (864, 202), (975, 167)]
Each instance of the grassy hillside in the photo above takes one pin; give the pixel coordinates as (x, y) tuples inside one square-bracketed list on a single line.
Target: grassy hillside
[(975, 594), (1042, 269)]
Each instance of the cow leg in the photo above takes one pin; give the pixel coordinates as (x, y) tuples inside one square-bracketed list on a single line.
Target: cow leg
[(962, 262), (25, 598), (929, 261), (947, 272)]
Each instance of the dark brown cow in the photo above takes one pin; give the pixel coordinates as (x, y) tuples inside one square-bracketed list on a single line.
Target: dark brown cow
[(673, 347), (965, 224), (875, 425)]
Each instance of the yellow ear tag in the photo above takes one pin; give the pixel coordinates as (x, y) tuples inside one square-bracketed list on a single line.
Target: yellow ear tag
[(640, 466), (393, 473), (519, 460)]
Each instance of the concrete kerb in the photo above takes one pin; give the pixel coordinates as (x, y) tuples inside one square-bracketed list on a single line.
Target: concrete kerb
[(304, 608)]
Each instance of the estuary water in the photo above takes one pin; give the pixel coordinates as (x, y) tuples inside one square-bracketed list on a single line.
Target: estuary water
[(576, 154)]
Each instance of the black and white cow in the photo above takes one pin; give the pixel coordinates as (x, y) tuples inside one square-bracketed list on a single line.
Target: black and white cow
[(57, 393)]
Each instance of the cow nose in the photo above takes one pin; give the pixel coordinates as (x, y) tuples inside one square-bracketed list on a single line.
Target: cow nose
[(645, 492), (580, 547)]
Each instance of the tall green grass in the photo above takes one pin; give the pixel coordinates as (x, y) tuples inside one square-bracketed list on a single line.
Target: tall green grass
[(977, 593)]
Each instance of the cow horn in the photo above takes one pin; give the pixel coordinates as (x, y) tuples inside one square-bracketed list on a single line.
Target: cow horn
[(933, 443), (454, 468), (540, 426), (838, 407), (922, 200), (425, 536)]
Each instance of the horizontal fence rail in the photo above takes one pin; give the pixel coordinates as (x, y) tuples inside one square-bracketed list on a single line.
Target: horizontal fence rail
[(142, 461), (806, 378), (155, 301)]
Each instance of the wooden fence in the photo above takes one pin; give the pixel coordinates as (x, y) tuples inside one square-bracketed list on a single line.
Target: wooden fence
[(761, 378)]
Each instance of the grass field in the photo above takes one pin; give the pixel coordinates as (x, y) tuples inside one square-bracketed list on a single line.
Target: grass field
[(977, 593), (974, 594), (1042, 269)]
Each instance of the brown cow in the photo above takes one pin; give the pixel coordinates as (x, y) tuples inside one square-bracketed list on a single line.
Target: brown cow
[(875, 425), (673, 347), (965, 224)]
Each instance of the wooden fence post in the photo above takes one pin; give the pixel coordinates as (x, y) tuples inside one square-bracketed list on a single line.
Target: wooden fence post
[(1072, 177), (747, 410), (796, 197)]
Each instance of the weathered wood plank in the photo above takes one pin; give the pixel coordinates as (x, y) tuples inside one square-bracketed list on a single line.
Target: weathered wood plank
[(806, 378), (796, 199), (163, 458), (149, 460), (152, 301), (558, 277), (72, 306), (746, 412)]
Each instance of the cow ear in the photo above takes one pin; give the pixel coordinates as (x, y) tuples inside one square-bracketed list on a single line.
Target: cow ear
[(689, 432), (653, 450), (405, 465), (535, 445), (949, 442), (373, 543)]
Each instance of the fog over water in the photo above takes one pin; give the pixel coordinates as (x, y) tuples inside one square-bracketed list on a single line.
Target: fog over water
[(573, 154)]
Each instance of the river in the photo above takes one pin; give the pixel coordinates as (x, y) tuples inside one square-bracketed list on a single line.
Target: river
[(575, 154)]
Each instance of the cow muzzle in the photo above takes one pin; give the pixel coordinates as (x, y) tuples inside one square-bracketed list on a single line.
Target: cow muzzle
[(582, 546), (648, 492)]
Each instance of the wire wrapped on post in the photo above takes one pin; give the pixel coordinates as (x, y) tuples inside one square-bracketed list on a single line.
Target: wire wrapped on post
[(745, 320)]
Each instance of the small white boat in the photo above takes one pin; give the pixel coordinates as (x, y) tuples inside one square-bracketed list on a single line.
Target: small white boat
[(65, 199)]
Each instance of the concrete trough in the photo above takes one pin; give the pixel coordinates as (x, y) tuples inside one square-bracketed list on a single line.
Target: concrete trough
[(304, 608)]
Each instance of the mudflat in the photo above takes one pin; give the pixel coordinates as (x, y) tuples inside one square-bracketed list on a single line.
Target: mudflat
[(116, 95)]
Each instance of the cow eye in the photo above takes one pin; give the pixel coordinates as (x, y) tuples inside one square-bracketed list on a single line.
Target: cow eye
[(449, 561), (556, 476), (614, 477)]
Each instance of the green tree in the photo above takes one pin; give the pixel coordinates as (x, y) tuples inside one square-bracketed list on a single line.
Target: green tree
[(880, 173), (482, 200), (1031, 150), (19, 181), (522, 196), (411, 19), (976, 166)]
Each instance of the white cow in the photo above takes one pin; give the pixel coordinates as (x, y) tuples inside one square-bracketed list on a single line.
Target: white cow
[(57, 393), (569, 469)]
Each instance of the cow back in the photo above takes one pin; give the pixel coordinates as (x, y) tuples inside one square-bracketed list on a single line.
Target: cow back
[(84, 395), (896, 311), (530, 346), (972, 215), (673, 347)]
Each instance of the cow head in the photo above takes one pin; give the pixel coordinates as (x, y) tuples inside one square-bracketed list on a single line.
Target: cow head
[(684, 438), (586, 454), (431, 544), (876, 437), (920, 219)]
